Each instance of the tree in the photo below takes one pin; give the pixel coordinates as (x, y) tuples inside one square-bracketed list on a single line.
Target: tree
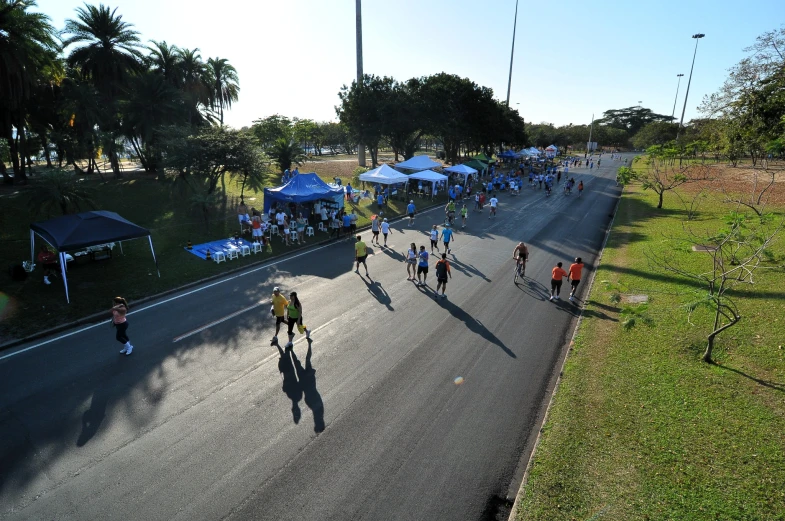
[(660, 175), (655, 133), (59, 190), (362, 110), (164, 59), (27, 46), (284, 153), (223, 84), (630, 119), (271, 129), (106, 53), (192, 74)]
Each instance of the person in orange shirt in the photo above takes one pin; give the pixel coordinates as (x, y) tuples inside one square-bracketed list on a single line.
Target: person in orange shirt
[(575, 275), (557, 274)]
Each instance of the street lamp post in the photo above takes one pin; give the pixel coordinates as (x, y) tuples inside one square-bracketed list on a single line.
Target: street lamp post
[(512, 51), (673, 112), (689, 81), (360, 146)]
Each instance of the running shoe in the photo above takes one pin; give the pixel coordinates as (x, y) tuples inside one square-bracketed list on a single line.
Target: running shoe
[(123, 350), (129, 350)]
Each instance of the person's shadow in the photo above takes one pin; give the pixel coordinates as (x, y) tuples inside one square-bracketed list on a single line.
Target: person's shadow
[(307, 377), (96, 414), (376, 289), (290, 386)]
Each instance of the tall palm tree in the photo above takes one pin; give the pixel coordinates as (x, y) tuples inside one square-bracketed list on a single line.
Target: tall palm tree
[(194, 86), (165, 59), (28, 44), (223, 84), (106, 53)]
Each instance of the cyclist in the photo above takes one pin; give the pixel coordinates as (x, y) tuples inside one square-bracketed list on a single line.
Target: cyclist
[(450, 211), (521, 255)]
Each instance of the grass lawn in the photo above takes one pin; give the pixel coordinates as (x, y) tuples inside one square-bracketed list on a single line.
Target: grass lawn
[(640, 428), (30, 306)]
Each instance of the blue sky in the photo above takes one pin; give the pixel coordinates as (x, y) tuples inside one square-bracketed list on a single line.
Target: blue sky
[(572, 58)]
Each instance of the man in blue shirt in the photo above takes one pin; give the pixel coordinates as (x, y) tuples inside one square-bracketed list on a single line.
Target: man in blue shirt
[(380, 200), (422, 267), (410, 209), (347, 223), (447, 237)]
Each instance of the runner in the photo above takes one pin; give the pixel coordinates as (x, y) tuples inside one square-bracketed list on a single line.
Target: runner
[(477, 201), (434, 238), (279, 304), (580, 188), (494, 202), (385, 231), (450, 211), (294, 316), (442, 272), (521, 255), (411, 261), (464, 215), (422, 267), (575, 275), (360, 254), (557, 274), (375, 229), (446, 238), (120, 323), (410, 209)]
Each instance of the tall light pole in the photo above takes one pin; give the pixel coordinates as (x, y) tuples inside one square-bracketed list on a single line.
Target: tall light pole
[(512, 51), (588, 145), (673, 112), (360, 146), (689, 81)]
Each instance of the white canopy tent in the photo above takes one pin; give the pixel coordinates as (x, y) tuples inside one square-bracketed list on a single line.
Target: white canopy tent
[(384, 175), (463, 170), (418, 163), (430, 175)]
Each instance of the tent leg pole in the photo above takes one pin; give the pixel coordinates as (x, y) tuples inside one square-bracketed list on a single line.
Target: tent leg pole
[(154, 259), (65, 279)]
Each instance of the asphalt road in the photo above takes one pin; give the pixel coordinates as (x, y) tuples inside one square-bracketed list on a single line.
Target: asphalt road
[(207, 420)]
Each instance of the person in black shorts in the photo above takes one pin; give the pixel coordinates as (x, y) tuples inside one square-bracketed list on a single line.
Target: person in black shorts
[(442, 272)]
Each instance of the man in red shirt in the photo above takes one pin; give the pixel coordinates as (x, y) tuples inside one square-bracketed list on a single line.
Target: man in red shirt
[(48, 260), (557, 274), (575, 275)]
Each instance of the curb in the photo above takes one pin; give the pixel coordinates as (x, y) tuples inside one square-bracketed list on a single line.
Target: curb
[(98, 317), (530, 463)]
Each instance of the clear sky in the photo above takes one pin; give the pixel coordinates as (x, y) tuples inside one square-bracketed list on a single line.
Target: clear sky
[(572, 58)]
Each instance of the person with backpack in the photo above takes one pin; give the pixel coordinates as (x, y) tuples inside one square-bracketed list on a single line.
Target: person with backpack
[(442, 272)]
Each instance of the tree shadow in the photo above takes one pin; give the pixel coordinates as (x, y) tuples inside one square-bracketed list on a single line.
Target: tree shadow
[(765, 383), (307, 380)]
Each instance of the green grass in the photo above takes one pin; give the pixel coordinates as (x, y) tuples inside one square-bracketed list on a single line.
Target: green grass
[(30, 306), (640, 428)]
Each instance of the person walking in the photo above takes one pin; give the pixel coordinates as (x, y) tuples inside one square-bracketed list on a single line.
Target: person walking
[(464, 215), (576, 268), (434, 238), (360, 254), (580, 188), (278, 309), (120, 323), (557, 274), (385, 231), (294, 316), (494, 203), (411, 209), (446, 238), (422, 267), (411, 261), (442, 272), (375, 228)]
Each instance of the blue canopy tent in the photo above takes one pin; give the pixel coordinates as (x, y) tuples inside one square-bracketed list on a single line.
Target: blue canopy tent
[(303, 188)]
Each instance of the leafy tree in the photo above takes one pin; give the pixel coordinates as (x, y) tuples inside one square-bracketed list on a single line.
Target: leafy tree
[(59, 190), (271, 129), (362, 110), (659, 175), (655, 133), (630, 119), (284, 153), (222, 83)]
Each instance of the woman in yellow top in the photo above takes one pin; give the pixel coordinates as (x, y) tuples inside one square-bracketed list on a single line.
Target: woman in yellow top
[(294, 315)]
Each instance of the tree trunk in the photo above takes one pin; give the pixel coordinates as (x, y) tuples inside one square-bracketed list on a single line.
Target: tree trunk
[(659, 204), (47, 153), (7, 179), (14, 158)]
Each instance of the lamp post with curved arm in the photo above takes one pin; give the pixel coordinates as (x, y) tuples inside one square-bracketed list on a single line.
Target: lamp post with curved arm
[(689, 81)]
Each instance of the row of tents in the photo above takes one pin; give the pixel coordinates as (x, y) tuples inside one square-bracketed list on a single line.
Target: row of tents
[(551, 151)]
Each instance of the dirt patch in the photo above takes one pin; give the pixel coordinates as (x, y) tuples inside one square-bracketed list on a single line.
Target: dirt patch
[(742, 180)]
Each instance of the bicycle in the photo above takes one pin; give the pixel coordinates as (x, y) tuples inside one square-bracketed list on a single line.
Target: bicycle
[(520, 269)]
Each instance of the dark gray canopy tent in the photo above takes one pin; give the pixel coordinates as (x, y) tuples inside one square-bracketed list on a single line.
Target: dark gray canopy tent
[(77, 231)]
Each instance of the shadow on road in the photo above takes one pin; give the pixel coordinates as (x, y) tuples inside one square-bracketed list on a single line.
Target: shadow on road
[(532, 288), (299, 383), (378, 292), (475, 326)]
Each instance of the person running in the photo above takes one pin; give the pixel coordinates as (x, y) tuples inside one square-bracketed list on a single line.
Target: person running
[(422, 267), (434, 238), (494, 203), (411, 261), (294, 313), (410, 209), (385, 231), (557, 274), (442, 272), (279, 304), (464, 215), (120, 323), (360, 254), (446, 238), (575, 275), (580, 188), (521, 255), (375, 229)]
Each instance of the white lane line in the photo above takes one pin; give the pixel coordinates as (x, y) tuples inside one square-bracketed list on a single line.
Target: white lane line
[(215, 322)]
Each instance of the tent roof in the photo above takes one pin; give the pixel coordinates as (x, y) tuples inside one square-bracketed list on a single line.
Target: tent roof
[(552, 147), (75, 231), (419, 163), (478, 165), (482, 157), (509, 153), (385, 175), (303, 188), (428, 175), (461, 169)]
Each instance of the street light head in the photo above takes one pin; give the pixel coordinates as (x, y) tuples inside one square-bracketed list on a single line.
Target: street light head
[(680, 75), (699, 35)]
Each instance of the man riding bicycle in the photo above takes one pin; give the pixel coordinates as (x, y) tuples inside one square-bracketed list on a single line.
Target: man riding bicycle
[(521, 255), (450, 211)]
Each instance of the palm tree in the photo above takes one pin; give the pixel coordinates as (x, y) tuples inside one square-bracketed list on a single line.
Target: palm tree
[(285, 152), (27, 45), (223, 84), (165, 59), (193, 77), (107, 53), (59, 190)]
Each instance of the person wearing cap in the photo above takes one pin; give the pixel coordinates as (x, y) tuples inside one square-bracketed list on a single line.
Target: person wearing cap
[(410, 209), (279, 307), (385, 230)]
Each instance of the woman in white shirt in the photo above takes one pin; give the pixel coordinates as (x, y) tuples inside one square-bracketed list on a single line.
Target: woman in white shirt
[(411, 261)]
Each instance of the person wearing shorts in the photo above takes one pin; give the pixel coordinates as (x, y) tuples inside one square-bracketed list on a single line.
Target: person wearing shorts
[(493, 202), (557, 274), (385, 231), (411, 261), (360, 254), (279, 304), (422, 267), (575, 275), (464, 214), (256, 225), (442, 272), (410, 209), (375, 230), (446, 237), (434, 238), (580, 188)]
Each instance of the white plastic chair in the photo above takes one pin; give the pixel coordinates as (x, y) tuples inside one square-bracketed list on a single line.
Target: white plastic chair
[(309, 231), (218, 256), (245, 250), (256, 247)]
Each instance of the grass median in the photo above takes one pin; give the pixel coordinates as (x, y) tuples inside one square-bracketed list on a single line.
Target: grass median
[(640, 427)]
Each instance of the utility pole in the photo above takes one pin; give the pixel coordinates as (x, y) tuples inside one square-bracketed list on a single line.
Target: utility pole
[(360, 146), (687, 95), (588, 145), (673, 112), (512, 51)]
